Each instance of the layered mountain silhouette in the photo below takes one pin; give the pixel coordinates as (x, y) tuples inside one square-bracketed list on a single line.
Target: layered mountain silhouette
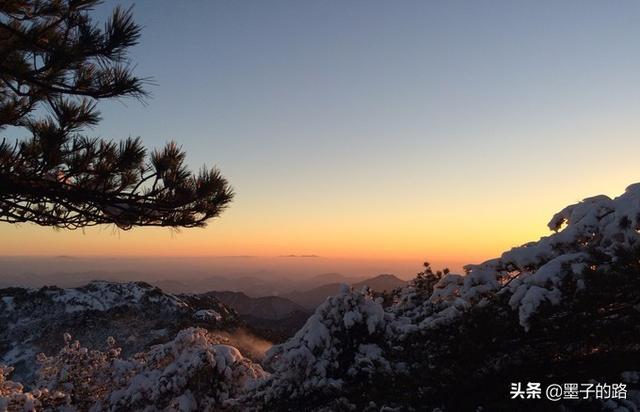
[(310, 299), (266, 307)]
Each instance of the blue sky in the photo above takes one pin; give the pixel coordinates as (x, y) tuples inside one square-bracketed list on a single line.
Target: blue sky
[(325, 88), (394, 128)]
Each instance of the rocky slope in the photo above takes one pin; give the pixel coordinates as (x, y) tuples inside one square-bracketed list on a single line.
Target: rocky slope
[(271, 317), (136, 314), (266, 307)]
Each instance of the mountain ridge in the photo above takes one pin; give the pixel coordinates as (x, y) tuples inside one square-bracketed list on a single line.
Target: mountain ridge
[(136, 314), (311, 298)]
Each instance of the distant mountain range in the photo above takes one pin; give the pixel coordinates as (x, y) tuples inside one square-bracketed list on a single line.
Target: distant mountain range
[(277, 317), (311, 298), (266, 307), (306, 293), (253, 286), (275, 298)]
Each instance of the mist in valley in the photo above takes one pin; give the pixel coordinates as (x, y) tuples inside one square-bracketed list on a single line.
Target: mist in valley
[(255, 275)]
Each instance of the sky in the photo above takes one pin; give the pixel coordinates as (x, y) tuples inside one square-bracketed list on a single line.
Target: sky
[(377, 130)]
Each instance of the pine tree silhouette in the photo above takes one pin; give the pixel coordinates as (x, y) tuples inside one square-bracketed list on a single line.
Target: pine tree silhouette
[(56, 63)]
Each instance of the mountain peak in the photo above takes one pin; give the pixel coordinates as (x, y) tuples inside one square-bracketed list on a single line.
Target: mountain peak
[(382, 282)]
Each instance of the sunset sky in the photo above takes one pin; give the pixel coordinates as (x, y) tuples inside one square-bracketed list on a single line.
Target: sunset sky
[(372, 130)]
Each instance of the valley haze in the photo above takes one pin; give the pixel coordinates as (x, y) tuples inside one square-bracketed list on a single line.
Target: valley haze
[(256, 276)]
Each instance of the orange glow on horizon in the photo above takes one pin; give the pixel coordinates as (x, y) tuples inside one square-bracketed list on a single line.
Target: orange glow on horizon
[(451, 234)]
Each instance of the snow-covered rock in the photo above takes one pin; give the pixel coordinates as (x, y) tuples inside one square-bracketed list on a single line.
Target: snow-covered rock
[(136, 314)]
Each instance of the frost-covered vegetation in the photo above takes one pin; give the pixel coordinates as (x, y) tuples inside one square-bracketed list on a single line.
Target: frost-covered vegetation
[(136, 314), (565, 308), (195, 371)]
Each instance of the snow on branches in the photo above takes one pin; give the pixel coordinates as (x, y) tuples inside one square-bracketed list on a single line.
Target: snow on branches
[(587, 233), (191, 373), (353, 332)]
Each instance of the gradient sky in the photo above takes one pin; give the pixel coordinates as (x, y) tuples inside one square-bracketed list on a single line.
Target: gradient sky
[(378, 129)]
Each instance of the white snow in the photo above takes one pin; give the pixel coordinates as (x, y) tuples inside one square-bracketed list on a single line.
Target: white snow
[(534, 271), (167, 369), (103, 296), (530, 276), (207, 314), (8, 303)]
